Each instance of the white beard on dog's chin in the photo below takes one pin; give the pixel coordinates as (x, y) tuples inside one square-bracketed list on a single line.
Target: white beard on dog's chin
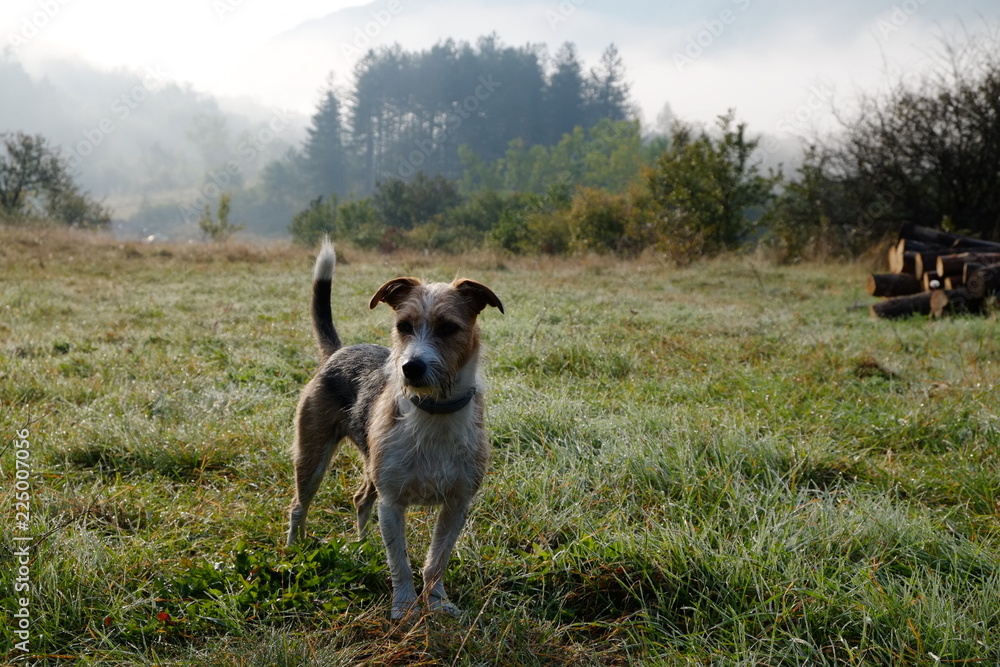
[(421, 392)]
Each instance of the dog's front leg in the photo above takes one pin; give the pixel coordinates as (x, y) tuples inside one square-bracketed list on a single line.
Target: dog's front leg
[(450, 521), (392, 522)]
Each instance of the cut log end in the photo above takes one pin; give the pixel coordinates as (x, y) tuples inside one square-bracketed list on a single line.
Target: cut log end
[(955, 302), (983, 281)]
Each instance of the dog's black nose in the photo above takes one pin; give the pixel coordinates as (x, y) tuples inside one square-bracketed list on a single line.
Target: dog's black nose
[(414, 370)]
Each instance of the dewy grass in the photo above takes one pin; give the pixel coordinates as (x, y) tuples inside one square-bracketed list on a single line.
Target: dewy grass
[(716, 465)]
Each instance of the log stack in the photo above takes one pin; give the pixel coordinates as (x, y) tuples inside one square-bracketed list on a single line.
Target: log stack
[(935, 273)]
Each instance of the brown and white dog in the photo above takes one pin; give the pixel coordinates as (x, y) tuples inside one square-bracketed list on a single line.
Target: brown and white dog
[(415, 411)]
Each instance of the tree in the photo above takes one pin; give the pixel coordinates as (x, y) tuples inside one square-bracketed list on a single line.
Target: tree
[(703, 188), (35, 183), (607, 90), (412, 111), (929, 150), (564, 95), (220, 229), (284, 182), (323, 155)]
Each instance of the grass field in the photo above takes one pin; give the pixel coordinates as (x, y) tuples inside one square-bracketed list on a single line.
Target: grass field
[(720, 464)]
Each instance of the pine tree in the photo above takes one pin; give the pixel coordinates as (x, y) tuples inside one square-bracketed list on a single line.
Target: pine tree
[(564, 95), (607, 90), (324, 162)]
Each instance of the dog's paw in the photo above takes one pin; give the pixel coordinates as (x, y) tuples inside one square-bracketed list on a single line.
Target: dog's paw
[(402, 609), (444, 606)]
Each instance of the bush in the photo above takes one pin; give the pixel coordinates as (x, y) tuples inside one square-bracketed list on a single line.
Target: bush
[(468, 225), (354, 221), (404, 205), (357, 221), (536, 224), (220, 229), (702, 189), (603, 222), (799, 222), (315, 222)]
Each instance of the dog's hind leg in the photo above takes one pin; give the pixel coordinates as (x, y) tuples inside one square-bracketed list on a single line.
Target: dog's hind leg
[(364, 500), (315, 441), (309, 473)]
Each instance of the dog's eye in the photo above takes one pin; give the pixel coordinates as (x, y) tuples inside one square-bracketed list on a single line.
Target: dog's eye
[(404, 327), (446, 329)]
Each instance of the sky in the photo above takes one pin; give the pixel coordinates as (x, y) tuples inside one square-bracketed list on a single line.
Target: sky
[(781, 64)]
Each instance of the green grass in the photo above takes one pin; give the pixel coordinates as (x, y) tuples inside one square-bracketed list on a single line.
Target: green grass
[(720, 464)]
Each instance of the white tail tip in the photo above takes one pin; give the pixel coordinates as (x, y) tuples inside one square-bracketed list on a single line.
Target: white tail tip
[(326, 262)]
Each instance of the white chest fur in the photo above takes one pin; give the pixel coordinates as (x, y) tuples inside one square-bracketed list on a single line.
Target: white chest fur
[(430, 459)]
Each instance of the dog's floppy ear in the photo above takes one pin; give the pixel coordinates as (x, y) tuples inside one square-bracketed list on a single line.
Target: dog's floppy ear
[(478, 295), (394, 292)]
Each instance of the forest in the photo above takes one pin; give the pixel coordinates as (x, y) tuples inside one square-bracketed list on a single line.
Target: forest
[(464, 146)]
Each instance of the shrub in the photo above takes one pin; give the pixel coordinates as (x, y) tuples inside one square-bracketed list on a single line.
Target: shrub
[(604, 222), (702, 188), (220, 229), (542, 225), (403, 204), (318, 220)]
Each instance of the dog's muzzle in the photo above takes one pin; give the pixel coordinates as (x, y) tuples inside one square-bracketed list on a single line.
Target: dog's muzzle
[(415, 372)]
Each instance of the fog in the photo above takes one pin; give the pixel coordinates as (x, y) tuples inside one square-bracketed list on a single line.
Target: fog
[(151, 103)]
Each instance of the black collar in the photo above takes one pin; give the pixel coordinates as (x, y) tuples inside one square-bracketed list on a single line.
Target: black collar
[(428, 404)]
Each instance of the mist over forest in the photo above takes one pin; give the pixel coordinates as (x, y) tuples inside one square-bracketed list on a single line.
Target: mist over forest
[(140, 138), (156, 150), (526, 148)]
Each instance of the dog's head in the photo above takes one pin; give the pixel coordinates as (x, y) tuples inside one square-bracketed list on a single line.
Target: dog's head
[(435, 334)]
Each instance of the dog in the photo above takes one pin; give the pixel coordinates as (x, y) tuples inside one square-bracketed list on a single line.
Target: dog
[(414, 411)]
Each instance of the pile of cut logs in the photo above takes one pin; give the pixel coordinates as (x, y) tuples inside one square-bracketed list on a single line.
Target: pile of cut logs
[(935, 273)]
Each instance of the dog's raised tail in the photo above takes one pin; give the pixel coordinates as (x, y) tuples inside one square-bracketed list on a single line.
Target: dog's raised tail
[(322, 316)]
